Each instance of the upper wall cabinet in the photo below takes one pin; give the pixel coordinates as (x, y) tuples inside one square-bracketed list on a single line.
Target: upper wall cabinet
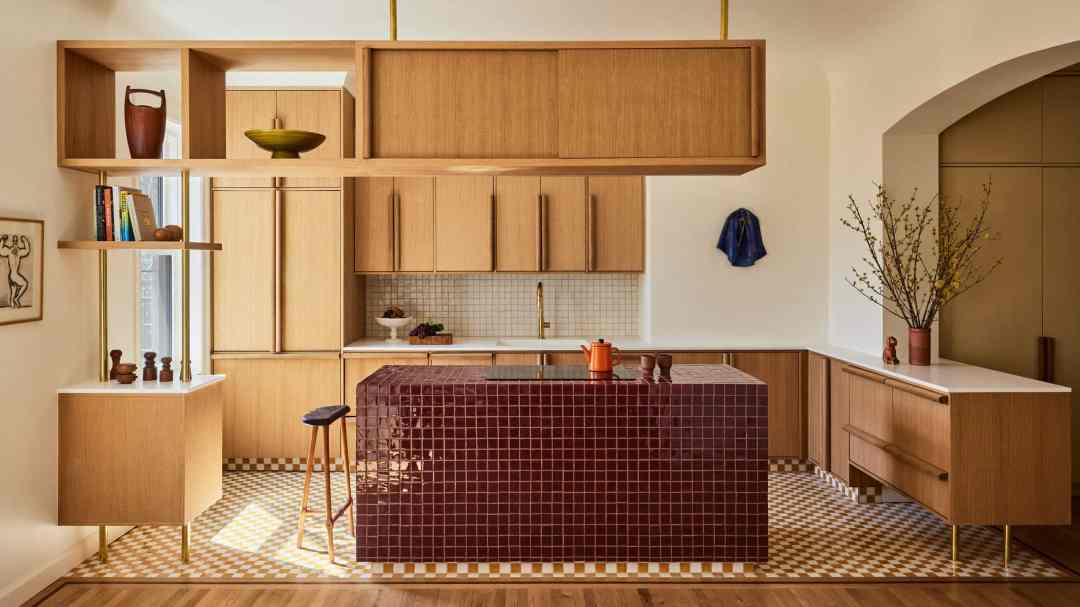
[(682, 107)]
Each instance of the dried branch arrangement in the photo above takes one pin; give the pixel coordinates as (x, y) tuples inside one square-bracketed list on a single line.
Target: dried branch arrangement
[(907, 276)]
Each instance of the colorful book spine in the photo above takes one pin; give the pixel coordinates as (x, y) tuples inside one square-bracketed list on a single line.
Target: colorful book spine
[(99, 212), (110, 233), (125, 218)]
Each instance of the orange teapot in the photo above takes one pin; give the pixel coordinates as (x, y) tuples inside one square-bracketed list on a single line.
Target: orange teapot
[(599, 356)]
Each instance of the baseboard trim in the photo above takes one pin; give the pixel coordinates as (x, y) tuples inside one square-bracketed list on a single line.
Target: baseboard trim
[(27, 588)]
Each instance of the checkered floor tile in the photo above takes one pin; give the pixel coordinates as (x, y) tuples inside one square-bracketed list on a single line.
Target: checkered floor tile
[(814, 532)]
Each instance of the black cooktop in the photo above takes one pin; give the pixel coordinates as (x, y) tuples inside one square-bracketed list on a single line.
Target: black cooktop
[(554, 373)]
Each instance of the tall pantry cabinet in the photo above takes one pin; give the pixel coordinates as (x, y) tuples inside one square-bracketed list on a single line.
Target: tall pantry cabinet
[(282, 286)]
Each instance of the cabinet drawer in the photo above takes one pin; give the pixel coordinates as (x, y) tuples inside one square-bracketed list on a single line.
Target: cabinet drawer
[(870, 402), (921, 483), (920, 426)]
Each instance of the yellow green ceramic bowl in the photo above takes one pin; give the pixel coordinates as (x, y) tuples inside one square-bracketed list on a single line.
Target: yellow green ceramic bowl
[(285, 143)]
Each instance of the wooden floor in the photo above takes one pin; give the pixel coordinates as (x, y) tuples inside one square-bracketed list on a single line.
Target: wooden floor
[(914, 594), (1061, 543)]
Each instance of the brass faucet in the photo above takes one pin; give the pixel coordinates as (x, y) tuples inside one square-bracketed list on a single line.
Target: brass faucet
[(540, 324)]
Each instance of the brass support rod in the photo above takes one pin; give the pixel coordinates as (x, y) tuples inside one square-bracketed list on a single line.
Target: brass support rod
[(185, 277), (393, 19), (1007, 545), (185, 543), (723, 19), (955, 549), (103, 304), (103, 544)]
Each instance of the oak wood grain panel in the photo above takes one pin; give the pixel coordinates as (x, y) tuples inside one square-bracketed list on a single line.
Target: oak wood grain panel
[(817, 405), (517, 358), (203, 111), (354, 288), (782, 371), (698, 358), (318, 111), (483, 360), (1009, 462), (1007, 129), (245, 110), (202, 430), (517, 224), (359, 366), (870, 406), (636, 103), (617, 229), (311, 284), (348, 124), (86, 108), (921, 427), (139, 459), (564, 358), (1061, 119), (1016, 216), (565, 225), (243, 272), (463, 224), (264, 398), (464, 104), (416, 223), (1061, 282), (920, 484), (373, 218), (839, 416)]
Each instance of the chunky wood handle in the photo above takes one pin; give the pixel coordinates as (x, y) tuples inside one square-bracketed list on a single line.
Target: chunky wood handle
[(898, 453), (540, 232), (917, 391), (863, 374), (395, 231), (160, 94), (591, 233), (494, 234)]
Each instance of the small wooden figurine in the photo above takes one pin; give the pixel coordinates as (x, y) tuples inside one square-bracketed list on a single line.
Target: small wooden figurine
[(889, 355), (149, 370), (648, 365), (166, 369), (115, 356), (664, 362), (125, 373)]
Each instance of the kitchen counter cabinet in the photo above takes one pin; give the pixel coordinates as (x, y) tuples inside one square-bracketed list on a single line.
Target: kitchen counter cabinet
[(517, 224), (565, 223), (616, 218), (817, 410), (464, 224)]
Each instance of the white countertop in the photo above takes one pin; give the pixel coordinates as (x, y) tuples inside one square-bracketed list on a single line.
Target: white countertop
[(943, 376), (140, 387)]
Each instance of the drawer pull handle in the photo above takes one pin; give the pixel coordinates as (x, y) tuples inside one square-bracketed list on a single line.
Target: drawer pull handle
[(917, 391), (898, 453), (863, 374)]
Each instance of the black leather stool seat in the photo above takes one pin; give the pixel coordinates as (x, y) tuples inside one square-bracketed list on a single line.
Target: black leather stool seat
[(324, 416)]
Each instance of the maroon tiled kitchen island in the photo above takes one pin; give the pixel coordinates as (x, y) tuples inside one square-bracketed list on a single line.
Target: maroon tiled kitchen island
[(454, 467)]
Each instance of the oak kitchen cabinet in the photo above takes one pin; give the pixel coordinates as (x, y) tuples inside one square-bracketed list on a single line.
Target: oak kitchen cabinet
[(507, 224), (359, 366), (817, 409), (272, 290), (326, 111)]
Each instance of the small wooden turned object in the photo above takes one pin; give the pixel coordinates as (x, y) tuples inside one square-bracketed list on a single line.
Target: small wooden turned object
[(115, 356), (149, 371), (166, 369)]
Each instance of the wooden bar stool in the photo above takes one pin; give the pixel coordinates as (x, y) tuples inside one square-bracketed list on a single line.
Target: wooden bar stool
[(324, 417)]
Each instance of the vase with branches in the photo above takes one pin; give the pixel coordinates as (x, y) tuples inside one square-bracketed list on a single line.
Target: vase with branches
[(927, 255)]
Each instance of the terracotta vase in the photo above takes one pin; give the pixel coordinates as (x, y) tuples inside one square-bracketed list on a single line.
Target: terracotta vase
[(145, 125), (918, 346)]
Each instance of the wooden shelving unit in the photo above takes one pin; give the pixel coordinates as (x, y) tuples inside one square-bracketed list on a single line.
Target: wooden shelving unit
[(142, 245)]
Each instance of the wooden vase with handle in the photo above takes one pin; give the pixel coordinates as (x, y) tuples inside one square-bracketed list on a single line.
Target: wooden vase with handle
[(145, 125)]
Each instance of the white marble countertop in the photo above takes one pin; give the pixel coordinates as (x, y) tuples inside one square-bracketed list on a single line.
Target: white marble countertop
[(140, 387), (943, 376)]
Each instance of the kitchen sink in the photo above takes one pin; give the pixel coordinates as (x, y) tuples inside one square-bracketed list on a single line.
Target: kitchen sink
[(541, 344)]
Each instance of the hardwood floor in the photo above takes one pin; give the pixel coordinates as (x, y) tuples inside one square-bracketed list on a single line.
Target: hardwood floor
[(914, 594), (1059, 542)]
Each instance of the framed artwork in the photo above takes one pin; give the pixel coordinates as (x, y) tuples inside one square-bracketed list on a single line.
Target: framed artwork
[(22, 270)]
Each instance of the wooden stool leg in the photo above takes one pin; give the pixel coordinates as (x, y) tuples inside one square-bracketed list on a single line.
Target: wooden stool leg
[(348, 475), (329, 506), (308, 469)]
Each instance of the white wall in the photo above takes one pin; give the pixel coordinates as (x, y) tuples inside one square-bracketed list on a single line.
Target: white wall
[(838, 77)]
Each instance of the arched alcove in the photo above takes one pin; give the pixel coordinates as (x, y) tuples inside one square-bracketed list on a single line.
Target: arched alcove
[(910, 148)]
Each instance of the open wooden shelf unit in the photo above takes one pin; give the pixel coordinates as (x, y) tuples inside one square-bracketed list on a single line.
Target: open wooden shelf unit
[(140, 245), (518, 108)]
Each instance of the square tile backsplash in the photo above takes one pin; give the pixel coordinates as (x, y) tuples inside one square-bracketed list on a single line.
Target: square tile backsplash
[(504, 305)]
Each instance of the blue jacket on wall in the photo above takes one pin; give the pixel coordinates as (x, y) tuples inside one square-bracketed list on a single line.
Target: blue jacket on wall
[(741, 239)]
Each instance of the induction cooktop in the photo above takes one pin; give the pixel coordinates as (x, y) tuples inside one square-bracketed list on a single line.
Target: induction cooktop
[(554, 373)]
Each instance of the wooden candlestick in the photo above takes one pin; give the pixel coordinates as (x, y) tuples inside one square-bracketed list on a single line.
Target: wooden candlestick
[(149, 372), (166, 369), (115, 356)]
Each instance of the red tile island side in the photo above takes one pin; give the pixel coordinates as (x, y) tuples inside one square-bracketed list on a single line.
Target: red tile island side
[(452, 467)]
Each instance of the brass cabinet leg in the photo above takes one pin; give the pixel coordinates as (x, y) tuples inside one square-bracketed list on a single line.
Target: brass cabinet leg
[(185, 543), (308, 469), (348, 476), (103, 544), (955, 549), (1006, 545), (329, 507)]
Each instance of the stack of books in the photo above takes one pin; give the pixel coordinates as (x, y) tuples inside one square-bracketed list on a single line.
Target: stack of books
[(123, 214)]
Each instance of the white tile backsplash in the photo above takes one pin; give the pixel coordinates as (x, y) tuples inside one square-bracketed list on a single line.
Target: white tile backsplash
[(504, 305)]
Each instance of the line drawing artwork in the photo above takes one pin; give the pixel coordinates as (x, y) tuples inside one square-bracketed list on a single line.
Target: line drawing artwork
[(14, 248)]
